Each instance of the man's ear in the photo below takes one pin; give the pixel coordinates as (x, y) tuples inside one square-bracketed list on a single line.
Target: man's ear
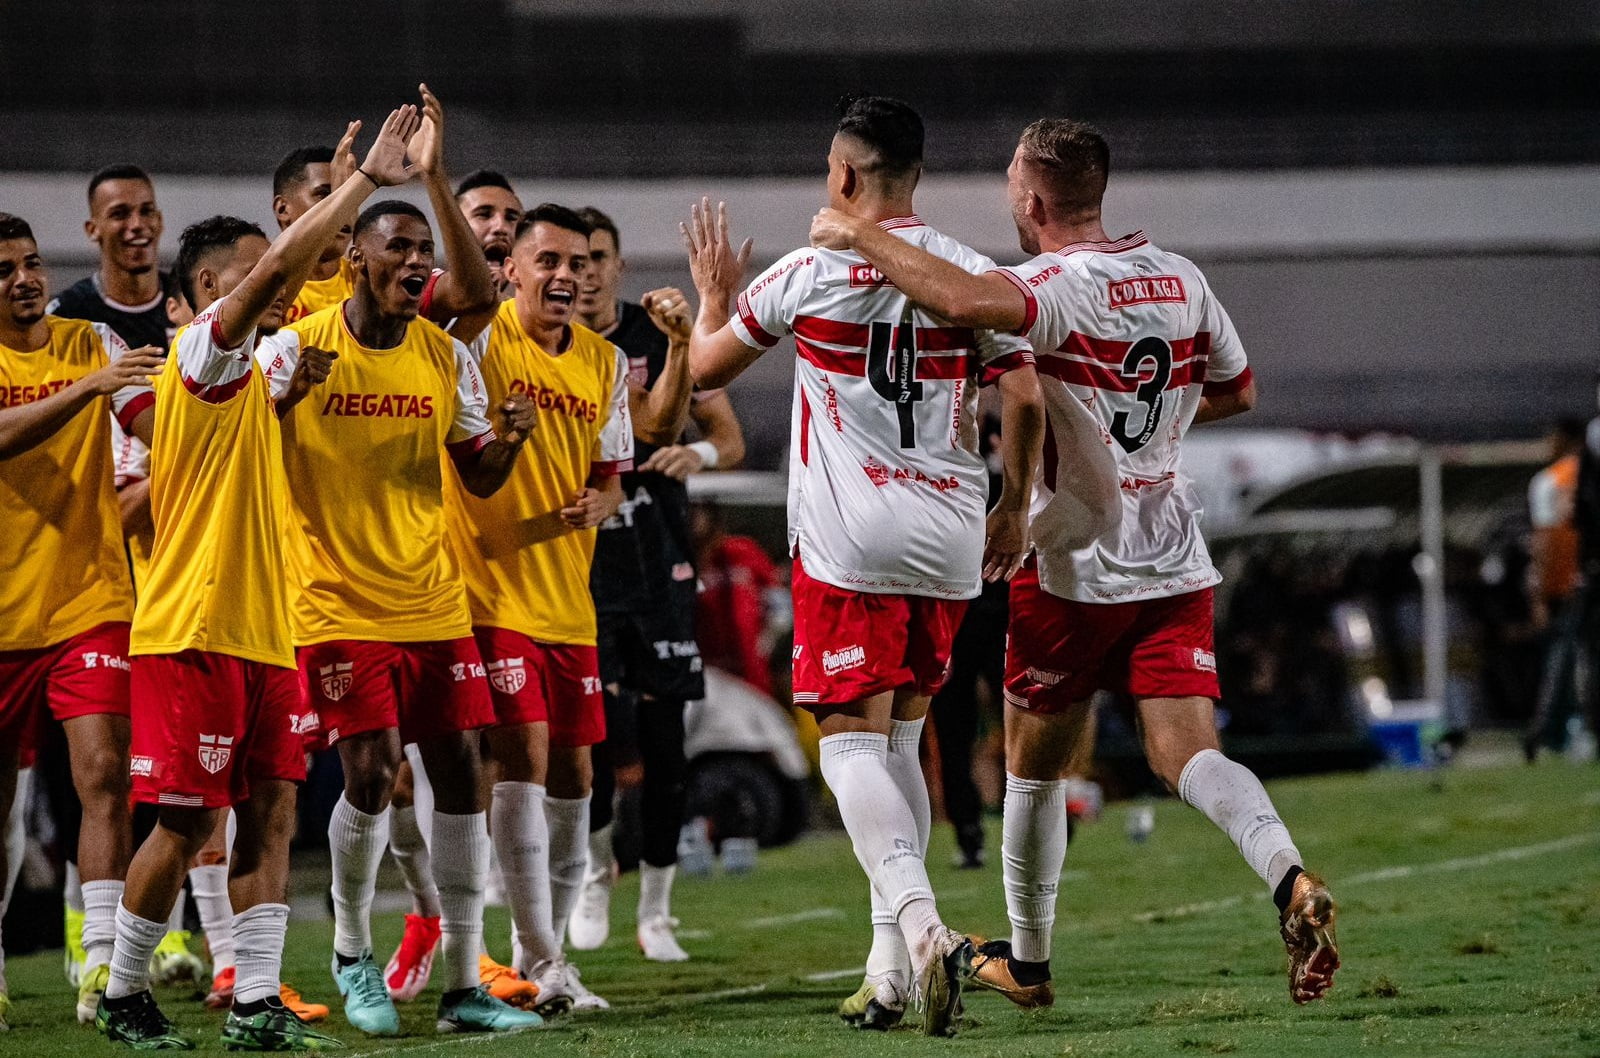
[(280, 210), (848, 180), (508, 268), (89, 230), (1035, 208)]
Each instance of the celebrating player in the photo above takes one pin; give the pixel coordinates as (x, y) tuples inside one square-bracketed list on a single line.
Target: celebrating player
[(379, 616), (66, 599), (644, 586), (887, 526), (1134, 349), (218, 713), (493, 212)]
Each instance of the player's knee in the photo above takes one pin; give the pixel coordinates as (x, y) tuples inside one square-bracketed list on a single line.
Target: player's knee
[(369, 787), (101, 777), (191, 826)]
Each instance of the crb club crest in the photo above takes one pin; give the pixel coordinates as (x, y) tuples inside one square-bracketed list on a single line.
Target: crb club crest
[(508, 676), (214, 752), (336, 679)]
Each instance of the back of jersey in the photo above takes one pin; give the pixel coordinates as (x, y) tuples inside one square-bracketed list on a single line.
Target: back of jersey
[(1133, 336), (886, 486)]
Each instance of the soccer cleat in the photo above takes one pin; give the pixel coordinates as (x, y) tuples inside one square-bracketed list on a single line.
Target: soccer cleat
[(555, 997), (412, 964), (74, 957), (590, 923), (583, 1000), (307, 1012), (991, 969), (5, 1012), (1307, 929), (275, 1029), (221, 995), (139, 1023), (940, 980), (91, 988), (658, 942), (173, 963), (367, 1005), (506, 985), (876, 1007), (478, 1011)]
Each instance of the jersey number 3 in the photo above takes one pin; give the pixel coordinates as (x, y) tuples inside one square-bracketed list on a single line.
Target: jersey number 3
[(1154, 355), (892, 370)]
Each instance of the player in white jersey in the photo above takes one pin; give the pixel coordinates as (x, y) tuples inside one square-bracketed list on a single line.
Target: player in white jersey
[(1133, 348), (886, 516)]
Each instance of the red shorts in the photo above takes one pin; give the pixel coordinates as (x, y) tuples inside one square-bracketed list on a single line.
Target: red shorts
[(424, 689), (206, 725), (851, 645), (81, 676), (535, 683), (1059, 651)]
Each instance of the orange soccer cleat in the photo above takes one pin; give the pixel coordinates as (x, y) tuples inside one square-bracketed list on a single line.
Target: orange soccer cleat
[(506, 985)]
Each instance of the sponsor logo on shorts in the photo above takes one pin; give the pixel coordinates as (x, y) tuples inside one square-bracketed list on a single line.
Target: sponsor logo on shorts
[(591, 686), (462, 671), (337, 679), (94, 659), (141, 766), (304, 723), (835, 661), (666, 649), (214, 752), (1045, 678), (333, 736), (1205, 660), (799, 648), (509, 675)]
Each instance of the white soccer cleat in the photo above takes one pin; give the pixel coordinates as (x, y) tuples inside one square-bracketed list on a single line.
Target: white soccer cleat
[(582, 998), (658, 941), (590, 923), (555, 997)]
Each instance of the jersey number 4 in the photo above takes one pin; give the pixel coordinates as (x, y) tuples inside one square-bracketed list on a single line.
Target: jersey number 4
[(1147, 354), (892, 371)]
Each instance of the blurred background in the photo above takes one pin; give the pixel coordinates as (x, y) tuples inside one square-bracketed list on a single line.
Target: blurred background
[(1397, 202)]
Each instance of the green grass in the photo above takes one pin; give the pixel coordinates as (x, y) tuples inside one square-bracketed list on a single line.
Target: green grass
[(1443, 954)]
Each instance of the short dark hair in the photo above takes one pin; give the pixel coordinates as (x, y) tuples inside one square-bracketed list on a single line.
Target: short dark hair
[(14, 227), (203, 237), (550, 213), (889, 127), (120, 171), (598, 221), (1074, 157), (483, 178), (292, 170), (389, 207)]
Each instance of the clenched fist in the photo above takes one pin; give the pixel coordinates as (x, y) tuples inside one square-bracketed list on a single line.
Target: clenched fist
[(517, 419)]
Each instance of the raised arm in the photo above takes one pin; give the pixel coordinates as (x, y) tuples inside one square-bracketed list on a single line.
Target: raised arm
[(468, 287), (660, 412), (716, 354), (989, 300)]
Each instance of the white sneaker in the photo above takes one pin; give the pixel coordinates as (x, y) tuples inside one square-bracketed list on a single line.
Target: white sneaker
[(555, 996), (582, 998), (590, 923), (659, 942)]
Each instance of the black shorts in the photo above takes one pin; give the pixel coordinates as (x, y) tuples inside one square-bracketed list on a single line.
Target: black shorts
[(653, 652)]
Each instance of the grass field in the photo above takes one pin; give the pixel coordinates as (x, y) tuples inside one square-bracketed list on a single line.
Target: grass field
[(1471, 926)]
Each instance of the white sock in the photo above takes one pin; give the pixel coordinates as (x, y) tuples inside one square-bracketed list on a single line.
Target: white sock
[(258, 937), (602, 858), (888, 954), (100, 902), (175, 916), (905, 768), (16, 840), (411, 855), (462, 870), (655, 891), (1033, 847), (356, 840), (522, 842), (883, 831), (72, 893), (1233, 798), (135, 945), (209, 883), (569, 854)]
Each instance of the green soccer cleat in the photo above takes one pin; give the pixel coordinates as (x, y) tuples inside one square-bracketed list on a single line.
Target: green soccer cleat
[(478, 1011), (866, 1009), (138, 1022), (74, 956), (276, 1028), (367, 1005), (91, 988), (5, 1012)]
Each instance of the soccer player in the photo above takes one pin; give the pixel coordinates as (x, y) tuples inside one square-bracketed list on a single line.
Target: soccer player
[(526, 552), (1134, 348), (493, 212), (66, 598), (887, 526), (644, 587), (128, 291), (218, 709), (380, 621)]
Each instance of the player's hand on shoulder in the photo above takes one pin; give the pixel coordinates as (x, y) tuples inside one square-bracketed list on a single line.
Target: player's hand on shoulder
[(386, 159), (832, 230), (134, 368), (712, 260), (675, 461), (589, 508), (1005, 542), (518, 416), (669, 311)]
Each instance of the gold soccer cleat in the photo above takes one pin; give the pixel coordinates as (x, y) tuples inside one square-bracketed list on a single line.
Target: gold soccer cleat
[(1307, 928)]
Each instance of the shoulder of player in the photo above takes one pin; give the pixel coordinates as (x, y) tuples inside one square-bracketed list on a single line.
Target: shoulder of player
[(945, 246), (806, 259)]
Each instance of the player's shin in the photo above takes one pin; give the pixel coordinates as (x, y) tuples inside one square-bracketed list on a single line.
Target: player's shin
[(462, 871), (357, 840), (258, 934), (569, 854), (411, 855), (1033, 848), (522, 842), (1233, 798)]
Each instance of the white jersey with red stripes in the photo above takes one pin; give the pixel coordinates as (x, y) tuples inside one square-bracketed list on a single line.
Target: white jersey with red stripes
[(1128, 337), (886, 487)]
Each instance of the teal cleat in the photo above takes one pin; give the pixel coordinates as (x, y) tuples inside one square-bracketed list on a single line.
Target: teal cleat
[(367, 1005), (478, 1011)]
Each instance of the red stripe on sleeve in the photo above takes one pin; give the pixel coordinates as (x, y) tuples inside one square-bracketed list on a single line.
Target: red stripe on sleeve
[(219, 394), (746, 317), (131, 410), (609, 467), (1030, 311), (1228, 387), (426, 308), (1000, 365)]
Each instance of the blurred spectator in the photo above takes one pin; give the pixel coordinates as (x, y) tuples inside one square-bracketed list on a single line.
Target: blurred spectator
[(1556, 603), (739, 586)]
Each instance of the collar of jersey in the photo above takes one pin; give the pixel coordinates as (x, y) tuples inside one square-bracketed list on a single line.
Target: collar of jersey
[(892, 223), (1127, 242)]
